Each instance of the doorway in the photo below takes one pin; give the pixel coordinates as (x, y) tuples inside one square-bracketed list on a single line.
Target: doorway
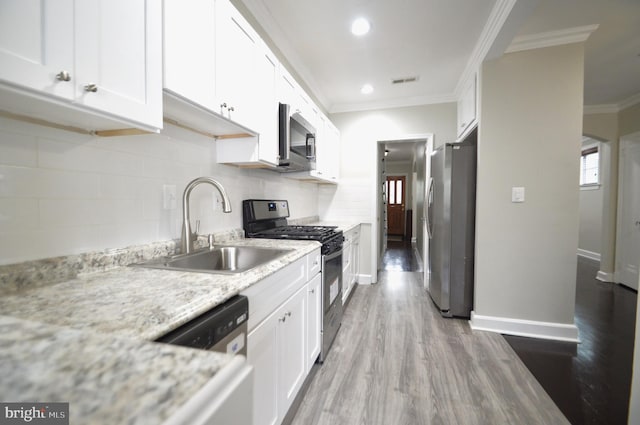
[(628, 237), (402, 169), (396, 198)]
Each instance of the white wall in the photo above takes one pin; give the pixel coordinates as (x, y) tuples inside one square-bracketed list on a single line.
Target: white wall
[(354, 198), (591, 199), (529, 135), (63, 193)]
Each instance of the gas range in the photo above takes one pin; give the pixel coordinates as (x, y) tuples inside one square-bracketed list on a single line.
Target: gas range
[(264, 218), (268, 219)]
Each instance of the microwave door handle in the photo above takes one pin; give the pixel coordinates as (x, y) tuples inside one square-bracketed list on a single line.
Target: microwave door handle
[(310, 147), (285, 132)]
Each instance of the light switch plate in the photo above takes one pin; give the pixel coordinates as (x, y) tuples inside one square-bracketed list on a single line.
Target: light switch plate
[(517, 194)]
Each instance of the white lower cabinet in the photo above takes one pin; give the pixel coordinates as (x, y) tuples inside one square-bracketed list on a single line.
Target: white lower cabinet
[(314, 320), (350, 261), (277, 353), (284, 337)]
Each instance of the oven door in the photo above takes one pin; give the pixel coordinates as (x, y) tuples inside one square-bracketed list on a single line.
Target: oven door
[(331, 299), (332, 279)]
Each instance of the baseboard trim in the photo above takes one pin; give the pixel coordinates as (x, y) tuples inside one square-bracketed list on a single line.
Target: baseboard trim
[(364, 279), (589, 254), (528, 328), (605, 277)]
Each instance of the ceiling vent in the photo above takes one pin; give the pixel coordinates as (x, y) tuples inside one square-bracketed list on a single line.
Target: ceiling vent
[(405, 80)]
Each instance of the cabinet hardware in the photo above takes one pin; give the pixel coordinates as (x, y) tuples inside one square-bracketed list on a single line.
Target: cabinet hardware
[(313, 291), (223, 106), (63, 76), (92, 88), (229, 110), (288, 314)]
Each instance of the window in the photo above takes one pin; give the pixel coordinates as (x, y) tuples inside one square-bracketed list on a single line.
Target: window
[(590, 167)]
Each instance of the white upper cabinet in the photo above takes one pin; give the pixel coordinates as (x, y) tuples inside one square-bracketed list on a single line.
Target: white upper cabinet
[(189, 52), (237, 53), (102, 58), (467, 107), (192, 65), (267, 106), (36, 45), (119, 58)]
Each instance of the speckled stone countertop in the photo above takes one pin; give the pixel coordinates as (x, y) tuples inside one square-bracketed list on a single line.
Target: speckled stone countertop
[(87, 339), (105, 379), (140, 302)]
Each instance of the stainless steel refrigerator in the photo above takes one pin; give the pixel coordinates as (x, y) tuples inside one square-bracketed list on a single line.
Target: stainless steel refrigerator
[(451, 226)]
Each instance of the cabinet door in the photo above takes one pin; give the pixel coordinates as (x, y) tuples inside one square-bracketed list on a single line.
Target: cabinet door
[(119, 58), (263, 354), (236, 52), (189, 50), (314, 320), (266, 106), (36, 44), (467, 107), (291, 347)]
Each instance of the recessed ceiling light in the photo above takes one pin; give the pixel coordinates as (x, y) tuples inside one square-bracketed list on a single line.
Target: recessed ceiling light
[(360, 26), (366, 89)]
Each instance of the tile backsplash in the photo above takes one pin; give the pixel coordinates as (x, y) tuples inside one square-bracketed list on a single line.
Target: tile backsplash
[(63, 193)]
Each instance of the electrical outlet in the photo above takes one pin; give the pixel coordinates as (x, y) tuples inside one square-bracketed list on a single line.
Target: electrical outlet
[(169, 200)]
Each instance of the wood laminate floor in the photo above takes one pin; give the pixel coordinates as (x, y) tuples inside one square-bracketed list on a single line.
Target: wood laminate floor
[(590, 381), (397, 361)]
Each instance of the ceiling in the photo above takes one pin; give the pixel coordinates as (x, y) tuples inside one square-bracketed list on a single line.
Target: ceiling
[(437, 41)]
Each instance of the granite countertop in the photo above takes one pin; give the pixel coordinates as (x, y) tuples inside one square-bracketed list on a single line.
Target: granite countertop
[(87, 340), (140, 302), (105, 379)]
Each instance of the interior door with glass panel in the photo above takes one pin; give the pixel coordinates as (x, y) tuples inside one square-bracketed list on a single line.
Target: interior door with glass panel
[(395, 188)]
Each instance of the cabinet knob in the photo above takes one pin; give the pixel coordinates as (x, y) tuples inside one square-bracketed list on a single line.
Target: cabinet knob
[(92, 88), (63, 76), (223, 106), (229, 110), (313, 291)]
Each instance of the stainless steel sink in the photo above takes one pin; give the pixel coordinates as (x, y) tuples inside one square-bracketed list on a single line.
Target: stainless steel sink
[(221, 259)]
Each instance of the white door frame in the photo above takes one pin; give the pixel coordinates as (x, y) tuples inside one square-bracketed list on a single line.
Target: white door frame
[(376, 214), (620, 274)]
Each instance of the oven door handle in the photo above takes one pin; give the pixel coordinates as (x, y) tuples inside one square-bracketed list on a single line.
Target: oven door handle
[(331, 256)]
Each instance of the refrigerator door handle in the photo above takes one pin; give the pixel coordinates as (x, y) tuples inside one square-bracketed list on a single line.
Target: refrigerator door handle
[(429, 204)]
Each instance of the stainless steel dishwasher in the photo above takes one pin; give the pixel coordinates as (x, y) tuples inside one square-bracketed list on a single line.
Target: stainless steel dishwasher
[(222, 329)]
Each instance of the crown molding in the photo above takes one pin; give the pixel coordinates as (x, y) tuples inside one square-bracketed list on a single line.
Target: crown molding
[(612, 108), (601, 109), (392, 103), (551, 38), (496, 20), (630, 101)]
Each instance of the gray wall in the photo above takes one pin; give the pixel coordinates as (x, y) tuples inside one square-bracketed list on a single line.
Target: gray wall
[(529, 135)]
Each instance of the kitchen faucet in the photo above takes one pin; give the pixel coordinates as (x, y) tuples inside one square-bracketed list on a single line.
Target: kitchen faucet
[(188, 237)]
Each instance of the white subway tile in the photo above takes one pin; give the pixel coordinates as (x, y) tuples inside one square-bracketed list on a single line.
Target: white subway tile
[(17, 149)]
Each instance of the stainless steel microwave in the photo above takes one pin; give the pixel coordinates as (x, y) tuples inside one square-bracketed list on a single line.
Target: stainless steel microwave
[(297, 141)]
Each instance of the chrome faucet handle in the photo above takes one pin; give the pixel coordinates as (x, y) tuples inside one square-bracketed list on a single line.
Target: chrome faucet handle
[(210, 240), (195, 232)]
